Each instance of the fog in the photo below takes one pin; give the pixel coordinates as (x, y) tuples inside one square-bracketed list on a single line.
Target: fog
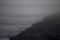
[(17, 15)]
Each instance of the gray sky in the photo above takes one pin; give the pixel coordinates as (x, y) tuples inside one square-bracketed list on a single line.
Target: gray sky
[(27, 7)]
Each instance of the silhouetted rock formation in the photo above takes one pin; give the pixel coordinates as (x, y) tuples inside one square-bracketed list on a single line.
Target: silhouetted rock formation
[(47, 29)]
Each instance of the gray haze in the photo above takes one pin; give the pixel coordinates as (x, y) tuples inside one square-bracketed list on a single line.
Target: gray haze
[(17, 15)]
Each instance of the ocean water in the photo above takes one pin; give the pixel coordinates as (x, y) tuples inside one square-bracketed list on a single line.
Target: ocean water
[(13, 26), (4, 38)]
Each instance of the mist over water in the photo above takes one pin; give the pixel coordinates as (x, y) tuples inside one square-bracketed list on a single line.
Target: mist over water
[(17, 15)]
